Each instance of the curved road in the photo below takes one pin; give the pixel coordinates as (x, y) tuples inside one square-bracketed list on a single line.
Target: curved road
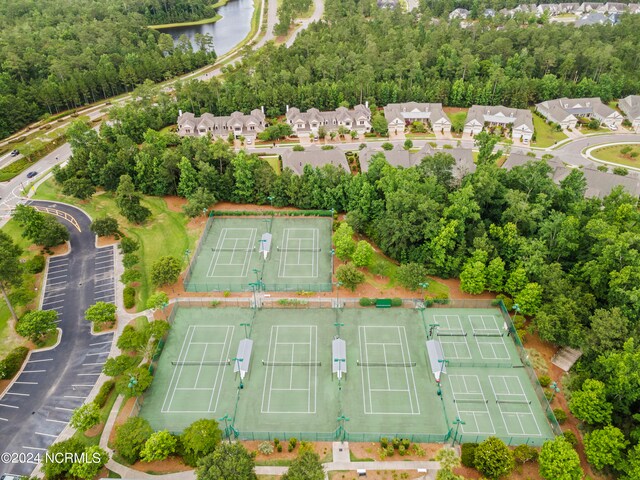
[(39, 403)]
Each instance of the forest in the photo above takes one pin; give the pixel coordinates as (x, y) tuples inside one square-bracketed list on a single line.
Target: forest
[(572, 264), (396, 57), (61, 54)]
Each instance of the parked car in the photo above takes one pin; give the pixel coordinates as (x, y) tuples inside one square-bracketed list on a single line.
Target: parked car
[(8, 476), (14, 153), (32, 174)]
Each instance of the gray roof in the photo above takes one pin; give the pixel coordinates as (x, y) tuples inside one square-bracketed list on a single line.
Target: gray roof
[(500, 114), (593, 18), (464, 162), (398, 157), (630, 106), (223, 124), (413, 110), (339, 116), (599, 184), (314, 156)]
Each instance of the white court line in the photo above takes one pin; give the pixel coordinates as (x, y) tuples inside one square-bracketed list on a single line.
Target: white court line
[(275, 349), (409, 369), (181, 357), (222, 356), (46, 434), (264, 387), (25, 383), (8, 406), (366, 352)]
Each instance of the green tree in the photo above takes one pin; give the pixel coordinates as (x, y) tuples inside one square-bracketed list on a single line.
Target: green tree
[(199, 201), (349, 276), (604, 447), (134, 382), (306, 466), (10, 269), (101, 312), (37, 324), (94, 459), (590, 404), (188, 178), (132, 339), (159, 446), (165, 271), (631, 466), (128, 201), (157, 300), (524, 453), (529, 299), (105, 226), (118, 365), (411, 275), (408, 144), (609, 330), (363, 255), (517, 281), (379, 124), (200, 439), (131, 437), (493, 458), (495, 274), (486, 144), (228, 460), (40, 228), (343, 241), (85, 417), (58, 462), (559, 461), (448, 459), (81, 188), (473, 278)]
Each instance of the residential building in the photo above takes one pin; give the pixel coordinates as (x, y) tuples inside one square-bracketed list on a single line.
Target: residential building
[(519, 121), (314, 156), (397, 157), (459, 13), (566, 111), (631, 107), (593, 18), (399, 115), (599, 184), (614, 7), (552, 9), (237, 123), (489, 13), (587, 7), (307, 123)]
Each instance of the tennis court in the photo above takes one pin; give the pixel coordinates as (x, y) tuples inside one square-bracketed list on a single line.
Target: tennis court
[(229, 257), (486, 385), (388, 388)]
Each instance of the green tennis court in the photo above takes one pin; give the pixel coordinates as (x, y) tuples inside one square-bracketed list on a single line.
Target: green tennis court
[(228, 256), (290, 388)]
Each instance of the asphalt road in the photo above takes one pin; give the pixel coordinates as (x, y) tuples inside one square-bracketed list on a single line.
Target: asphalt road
[(39, 403)]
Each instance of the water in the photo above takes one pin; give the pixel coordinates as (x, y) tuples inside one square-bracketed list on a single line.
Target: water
[(227, 32)]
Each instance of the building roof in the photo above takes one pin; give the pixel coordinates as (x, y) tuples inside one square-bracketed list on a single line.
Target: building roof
[(630, 106), (593, 18), (562, 109), (428, 111), (314, 156), (208, 121), (340, 116), (498, 114), (397, 157)]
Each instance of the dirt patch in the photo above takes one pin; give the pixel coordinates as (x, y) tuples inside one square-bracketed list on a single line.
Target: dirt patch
[(123, 415), (105, 241), (456, 293), (170, 465), (59, 249), (323, 449), (377, 475), (175, 203), (363, 451), (94, 431)]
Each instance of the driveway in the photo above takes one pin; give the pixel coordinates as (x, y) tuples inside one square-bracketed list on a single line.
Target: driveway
[(39, 403)]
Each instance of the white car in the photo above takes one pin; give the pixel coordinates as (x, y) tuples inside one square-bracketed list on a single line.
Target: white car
[(612, 127)]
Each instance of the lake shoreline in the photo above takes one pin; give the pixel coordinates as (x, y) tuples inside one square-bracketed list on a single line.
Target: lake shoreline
[(204, 21)]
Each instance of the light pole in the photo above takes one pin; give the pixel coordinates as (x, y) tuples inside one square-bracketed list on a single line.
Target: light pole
[(338, 285), (423, 287), (164, 306), (238, 360), (225, 419), (257, 272), (187, 252), (270, 198), (516, 308), (245, 325), (554, 389), (333, 253), (457, 422), (341, 420), (338, 325), (432, 329), (204, 212), (132, 383)]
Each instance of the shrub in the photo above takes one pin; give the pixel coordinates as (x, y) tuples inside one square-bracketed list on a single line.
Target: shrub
[(508, 303), (293, 441), (327, 147), (297, 148), (620, 171), (560, 414), (402, 451), (10, 364), (570, 437), (524, 453), (468, 454), (390, 450), (387, 146), (128, 245), (493, 458), (279, 447), (131, 437), (406, 443), (276, 441), (349, 276), (129, 297), (396, 443), (544, 380), (367, 302), (418, 450), (35, 264), (384, 442), (103, 227), (603, 168), (396, 302), (130, 275), (265, 448), (129, 260), (103, 393)]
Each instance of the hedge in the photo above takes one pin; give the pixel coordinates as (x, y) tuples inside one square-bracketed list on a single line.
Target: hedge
[(468, 454), (367, 302), (396, 302), (103, 394), (35, 264), (129, 296), (10, 364), (276, 213)]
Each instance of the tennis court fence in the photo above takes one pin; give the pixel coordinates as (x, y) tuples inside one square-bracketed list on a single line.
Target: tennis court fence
[(199, 246)]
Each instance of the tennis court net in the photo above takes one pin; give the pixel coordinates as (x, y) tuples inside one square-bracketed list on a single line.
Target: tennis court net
[(386, 364), (204, 362), (451, 333), (291, 364), (470, 400), (246, 249), (281, 249), (517, 399), (488, 333)]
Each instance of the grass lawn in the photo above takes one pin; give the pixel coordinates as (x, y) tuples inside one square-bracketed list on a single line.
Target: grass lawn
[(457, 118), (545, 134), (104, 415), (386, 268), (614, 154), (274, 161), (420, 136), (166, 233)]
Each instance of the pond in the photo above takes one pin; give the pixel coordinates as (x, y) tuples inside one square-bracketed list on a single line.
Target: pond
[(227, 32)]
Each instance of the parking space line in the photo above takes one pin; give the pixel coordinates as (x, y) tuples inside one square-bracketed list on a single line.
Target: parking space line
[(55, 295), (56, 421), (25, 383), (34, 448), (33, 371), (73, 396), (5, 419), (82, 385), (52, 284), (8, 406), (87, 374), (41, 360), (56, 277), (98, 353), (110, 289), (48, 302), (99, 343), (104, 261), (87, 364), (46, 434), (65, 409), (19, 394)]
